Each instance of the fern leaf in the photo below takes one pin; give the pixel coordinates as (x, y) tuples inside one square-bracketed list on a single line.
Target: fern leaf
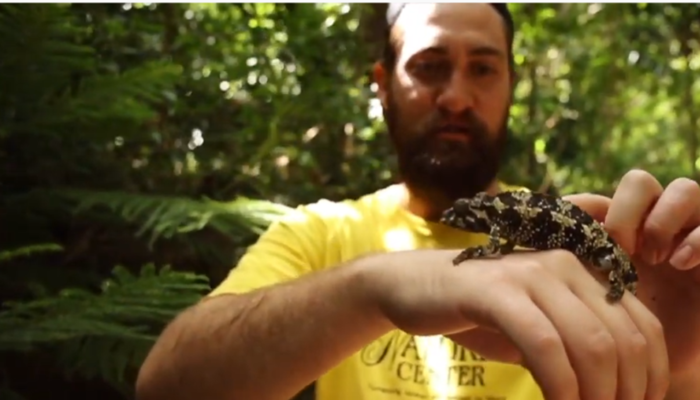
[(127, 306), (166, 217), (29, 251), (39, 50), (123, 96), (41, 36), (102, 334)]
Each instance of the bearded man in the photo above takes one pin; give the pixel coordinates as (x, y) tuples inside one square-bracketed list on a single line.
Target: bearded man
[(361, 296)]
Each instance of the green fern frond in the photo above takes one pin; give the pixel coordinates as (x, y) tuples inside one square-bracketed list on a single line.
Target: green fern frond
[(29, 251), (41, 36), (127, 307), (41, 52), (103, 359), (102, 333), (51, 82), (125, 96), (166, 217)]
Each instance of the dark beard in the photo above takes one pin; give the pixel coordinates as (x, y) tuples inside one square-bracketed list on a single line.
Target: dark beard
[(445, 170)]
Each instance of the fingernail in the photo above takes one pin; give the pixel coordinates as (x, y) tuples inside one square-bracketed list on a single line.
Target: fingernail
[(681, 258)]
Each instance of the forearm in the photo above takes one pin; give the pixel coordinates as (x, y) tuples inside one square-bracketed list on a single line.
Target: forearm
[(268, 344)]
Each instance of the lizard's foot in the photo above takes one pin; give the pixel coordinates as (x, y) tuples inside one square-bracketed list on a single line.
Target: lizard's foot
[(472, 252), (617, 287), (630, 278), (493, 248)]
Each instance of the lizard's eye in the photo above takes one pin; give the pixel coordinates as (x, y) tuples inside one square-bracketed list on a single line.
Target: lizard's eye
[(462, 206), (607, 261)]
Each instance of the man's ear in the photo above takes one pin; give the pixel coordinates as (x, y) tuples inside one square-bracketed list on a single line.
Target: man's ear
[(380, 78)]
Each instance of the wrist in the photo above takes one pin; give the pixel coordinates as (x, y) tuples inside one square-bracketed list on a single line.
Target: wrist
[(364, 285)]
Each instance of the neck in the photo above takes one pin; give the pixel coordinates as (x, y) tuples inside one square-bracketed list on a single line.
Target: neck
[(430, 204)]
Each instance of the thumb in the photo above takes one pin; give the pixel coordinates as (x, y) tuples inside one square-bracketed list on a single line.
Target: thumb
[(594, 204)]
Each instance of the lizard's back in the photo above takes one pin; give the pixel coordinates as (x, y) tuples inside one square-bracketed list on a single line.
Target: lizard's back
[(543, 222)]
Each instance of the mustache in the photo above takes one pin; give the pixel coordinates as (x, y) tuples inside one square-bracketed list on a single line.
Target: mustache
[(466, 123), (452, 128)]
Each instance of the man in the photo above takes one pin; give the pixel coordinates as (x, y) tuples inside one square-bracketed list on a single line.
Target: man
[(361, 296)]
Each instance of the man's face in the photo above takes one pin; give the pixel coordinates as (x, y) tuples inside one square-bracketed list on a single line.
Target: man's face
[(446, 104)]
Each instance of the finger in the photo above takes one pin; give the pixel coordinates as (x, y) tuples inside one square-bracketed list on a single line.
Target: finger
[(658, 371), (543, 351), (676, 209), (634, 197), (631, 344), (590, 345), (595, 205), (489, 344), (687, 254)]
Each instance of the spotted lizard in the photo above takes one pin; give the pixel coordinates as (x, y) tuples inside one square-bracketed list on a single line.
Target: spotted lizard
[(541, 222)]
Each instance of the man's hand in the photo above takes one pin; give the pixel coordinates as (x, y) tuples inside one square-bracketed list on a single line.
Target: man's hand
[(549, 312), (654, 223), (660, 228)]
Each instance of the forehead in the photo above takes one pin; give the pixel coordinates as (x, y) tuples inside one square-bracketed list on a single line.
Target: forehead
[(454, 26)]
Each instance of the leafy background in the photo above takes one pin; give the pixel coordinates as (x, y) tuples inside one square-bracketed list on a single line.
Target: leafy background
[(145, 146)]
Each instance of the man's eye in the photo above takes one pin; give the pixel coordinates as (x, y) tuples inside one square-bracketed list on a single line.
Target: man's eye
[(431, 67), (482, 69)]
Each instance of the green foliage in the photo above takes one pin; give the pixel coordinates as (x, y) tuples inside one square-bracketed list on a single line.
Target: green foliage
[(28, 251), (68, 109), (101, 334), (127, 307), (72, 89), (167, 217), (146, 134)]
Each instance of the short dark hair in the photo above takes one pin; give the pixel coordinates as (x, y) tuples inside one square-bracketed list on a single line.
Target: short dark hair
[(394, 10)]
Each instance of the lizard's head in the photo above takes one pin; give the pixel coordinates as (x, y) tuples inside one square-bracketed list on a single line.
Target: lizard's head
[(467, 214)]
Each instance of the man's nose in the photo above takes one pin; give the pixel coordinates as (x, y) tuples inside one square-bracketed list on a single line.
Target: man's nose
[(457, 95)]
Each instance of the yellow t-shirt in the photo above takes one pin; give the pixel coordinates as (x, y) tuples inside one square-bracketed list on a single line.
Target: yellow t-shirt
[(397, 365)]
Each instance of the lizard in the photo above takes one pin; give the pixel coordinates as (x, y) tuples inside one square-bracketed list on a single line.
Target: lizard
[(541, 222)]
